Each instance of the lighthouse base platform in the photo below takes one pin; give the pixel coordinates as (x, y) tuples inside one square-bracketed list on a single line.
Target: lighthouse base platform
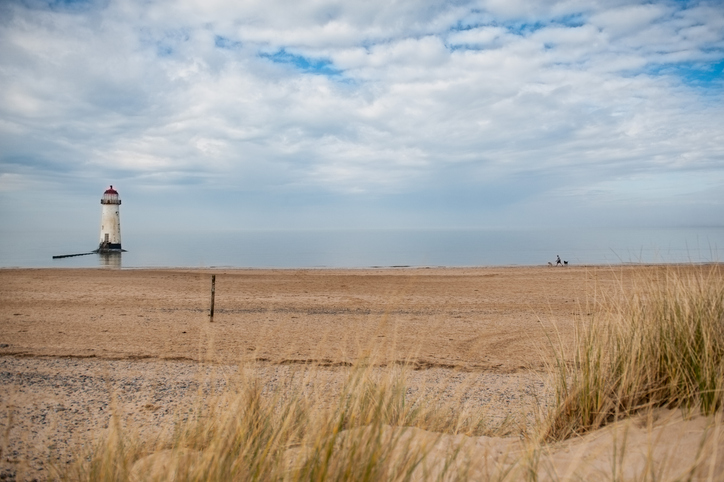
[(109, 248)]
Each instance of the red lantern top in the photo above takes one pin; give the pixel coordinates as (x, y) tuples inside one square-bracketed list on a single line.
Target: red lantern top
[(110, 196)]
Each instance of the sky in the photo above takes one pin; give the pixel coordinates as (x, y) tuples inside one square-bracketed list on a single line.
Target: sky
[(323, 114)]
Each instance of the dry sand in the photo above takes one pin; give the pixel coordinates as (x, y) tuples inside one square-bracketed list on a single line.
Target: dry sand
[(478, 319), (69, 338)]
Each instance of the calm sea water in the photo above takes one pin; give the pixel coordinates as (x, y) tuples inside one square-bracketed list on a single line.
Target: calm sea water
[(367, 248)]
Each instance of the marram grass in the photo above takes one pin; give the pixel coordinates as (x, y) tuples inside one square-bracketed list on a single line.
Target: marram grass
[(288, 433), (662, 346)]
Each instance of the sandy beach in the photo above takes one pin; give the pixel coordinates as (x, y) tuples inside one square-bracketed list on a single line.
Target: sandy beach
[(72, 340), (477, 319)]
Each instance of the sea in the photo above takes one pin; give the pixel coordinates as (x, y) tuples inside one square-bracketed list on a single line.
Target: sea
[(370, 248)]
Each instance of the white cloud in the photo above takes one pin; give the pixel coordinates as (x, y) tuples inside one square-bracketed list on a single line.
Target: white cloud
[(629, 19), (415, 97), (478, 37)]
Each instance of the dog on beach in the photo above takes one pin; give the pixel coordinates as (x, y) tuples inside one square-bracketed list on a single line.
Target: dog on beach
[(558, 262)]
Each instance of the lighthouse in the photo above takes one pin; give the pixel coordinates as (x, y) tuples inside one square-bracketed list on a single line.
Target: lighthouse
[(110, 222)]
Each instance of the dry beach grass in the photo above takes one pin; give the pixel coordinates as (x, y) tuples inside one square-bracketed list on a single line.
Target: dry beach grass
[(415, 374)]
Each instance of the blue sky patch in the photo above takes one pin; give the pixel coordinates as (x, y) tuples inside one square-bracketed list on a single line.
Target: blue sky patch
[(64, 5), (305, 64), (524, 28), (573, 20), (695, 74)]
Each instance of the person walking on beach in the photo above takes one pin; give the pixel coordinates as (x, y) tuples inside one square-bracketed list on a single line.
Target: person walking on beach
[(558, 261)]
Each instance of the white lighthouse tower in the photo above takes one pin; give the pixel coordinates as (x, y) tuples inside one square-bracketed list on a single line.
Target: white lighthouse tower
[(110, 222)]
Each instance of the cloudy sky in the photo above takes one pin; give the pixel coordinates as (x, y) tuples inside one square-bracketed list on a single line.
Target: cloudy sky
[(220, 114)]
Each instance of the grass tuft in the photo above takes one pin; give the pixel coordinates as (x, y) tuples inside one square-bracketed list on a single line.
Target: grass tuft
[(663, 346), (368, 431)]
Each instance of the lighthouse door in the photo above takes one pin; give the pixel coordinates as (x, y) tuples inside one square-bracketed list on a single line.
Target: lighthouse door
[(107, 240)]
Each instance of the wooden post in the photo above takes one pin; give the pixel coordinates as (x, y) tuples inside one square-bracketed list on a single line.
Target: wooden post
[(213, 294)]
